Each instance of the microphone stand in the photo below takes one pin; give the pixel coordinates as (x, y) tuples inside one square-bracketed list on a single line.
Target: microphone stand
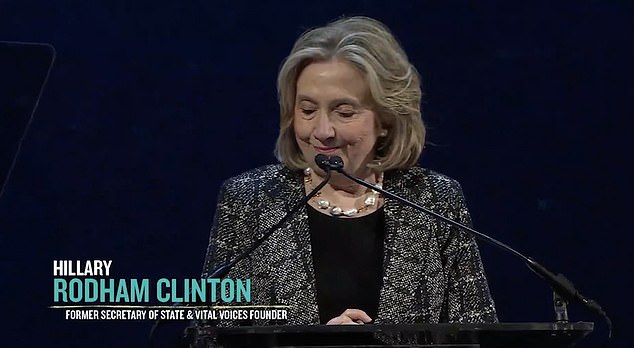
[(222, 270), (564, 291)]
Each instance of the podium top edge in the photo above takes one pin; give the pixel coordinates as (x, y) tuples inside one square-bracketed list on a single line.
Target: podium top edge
[(441, 327)]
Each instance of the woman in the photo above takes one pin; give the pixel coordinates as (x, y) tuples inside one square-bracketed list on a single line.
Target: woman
[(351, 256)]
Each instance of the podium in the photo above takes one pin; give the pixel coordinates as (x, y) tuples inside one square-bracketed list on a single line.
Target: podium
[(499, 335)]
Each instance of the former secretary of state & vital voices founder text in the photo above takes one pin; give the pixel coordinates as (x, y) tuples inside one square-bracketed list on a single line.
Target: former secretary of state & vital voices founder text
[(350, 255)]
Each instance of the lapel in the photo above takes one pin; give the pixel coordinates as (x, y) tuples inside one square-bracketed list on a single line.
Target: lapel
[(411, 265), (292, 278)]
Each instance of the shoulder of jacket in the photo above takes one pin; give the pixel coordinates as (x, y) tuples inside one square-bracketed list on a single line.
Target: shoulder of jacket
[(423, 177), (257, 178)]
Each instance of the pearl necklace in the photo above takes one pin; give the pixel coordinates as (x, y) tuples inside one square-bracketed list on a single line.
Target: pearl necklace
[(370, 201)]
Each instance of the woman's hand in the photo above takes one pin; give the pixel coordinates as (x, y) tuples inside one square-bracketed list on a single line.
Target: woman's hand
[(350, 317)]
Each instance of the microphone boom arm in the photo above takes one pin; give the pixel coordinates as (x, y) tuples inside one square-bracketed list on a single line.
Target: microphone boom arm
[(222, 270), (559, 283)]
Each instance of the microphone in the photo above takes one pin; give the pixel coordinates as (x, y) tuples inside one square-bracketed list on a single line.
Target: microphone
[(561, 286), (323, 162), (223, 269)]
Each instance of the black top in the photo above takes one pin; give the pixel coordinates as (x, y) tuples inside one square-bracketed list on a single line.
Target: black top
[(348, 261)]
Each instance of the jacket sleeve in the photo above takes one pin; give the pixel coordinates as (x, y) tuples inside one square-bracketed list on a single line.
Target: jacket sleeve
[(228, 235), (468, 299), (231, 233)]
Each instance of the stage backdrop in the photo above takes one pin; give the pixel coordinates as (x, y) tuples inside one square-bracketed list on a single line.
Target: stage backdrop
[(152, 104)]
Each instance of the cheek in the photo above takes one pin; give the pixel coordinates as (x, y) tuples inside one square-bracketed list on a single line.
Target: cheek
[(302, 132), (362, 134), (298, 126), (362, 138)]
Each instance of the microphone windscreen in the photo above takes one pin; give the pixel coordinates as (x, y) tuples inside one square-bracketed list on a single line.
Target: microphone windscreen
[(336, 163), (322, 161)]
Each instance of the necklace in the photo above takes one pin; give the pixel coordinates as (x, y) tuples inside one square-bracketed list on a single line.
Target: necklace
[(371, 200)]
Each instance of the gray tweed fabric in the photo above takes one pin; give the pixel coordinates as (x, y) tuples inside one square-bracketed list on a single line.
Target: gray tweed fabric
[(432, 272)]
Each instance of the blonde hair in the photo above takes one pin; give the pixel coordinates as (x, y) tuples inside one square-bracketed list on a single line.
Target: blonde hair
[(394, 84)]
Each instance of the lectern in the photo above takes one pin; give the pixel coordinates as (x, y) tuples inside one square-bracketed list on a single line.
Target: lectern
[(499, 335)]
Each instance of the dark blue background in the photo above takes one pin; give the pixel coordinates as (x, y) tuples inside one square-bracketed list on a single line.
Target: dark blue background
[(151, 104)]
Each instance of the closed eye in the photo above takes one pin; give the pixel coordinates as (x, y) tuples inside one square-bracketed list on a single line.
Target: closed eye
[(345, 114)]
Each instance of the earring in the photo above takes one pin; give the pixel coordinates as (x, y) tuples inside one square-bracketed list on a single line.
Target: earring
[(383, 133)]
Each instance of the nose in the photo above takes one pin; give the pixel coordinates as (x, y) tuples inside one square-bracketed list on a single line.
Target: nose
[(324, 129)]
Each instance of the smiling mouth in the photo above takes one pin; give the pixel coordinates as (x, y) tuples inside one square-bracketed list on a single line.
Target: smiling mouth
[(325, 150)]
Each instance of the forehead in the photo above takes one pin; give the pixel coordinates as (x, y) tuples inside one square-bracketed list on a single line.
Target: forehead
[(332, 79)]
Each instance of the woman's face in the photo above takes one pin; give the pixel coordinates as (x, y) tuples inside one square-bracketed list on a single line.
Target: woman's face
[(333, 115)]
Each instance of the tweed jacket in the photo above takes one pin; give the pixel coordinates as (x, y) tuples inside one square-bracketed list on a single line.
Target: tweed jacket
[(431, 272)]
